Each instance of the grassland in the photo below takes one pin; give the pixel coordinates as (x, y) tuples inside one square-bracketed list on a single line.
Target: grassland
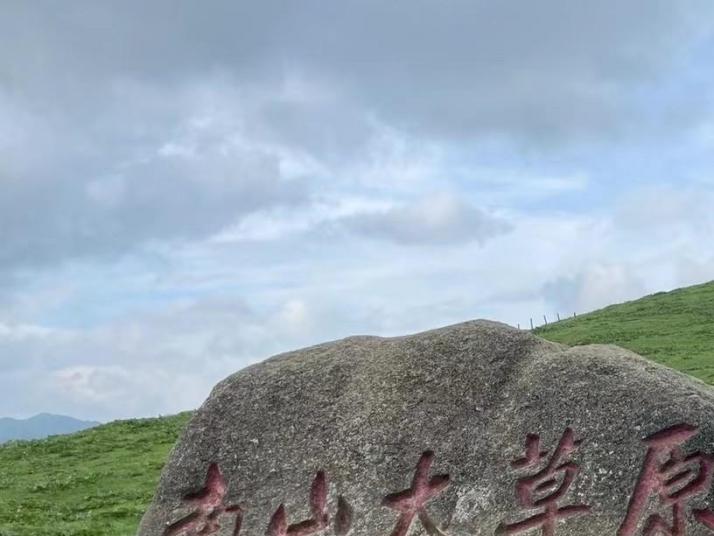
[(93, 483), (99, 482), (673, 328)]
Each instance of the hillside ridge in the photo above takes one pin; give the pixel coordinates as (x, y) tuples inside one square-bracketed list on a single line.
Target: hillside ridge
[(674, 328), (99, 482)]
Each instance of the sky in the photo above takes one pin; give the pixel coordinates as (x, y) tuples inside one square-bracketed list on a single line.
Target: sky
[(187, 187)]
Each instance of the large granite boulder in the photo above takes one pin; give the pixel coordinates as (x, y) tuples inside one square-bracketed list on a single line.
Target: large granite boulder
[(473, 429)]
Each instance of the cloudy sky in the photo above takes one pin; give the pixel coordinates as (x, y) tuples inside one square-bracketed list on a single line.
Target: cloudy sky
[(189, 187)]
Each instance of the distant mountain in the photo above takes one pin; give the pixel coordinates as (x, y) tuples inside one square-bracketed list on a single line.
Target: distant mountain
[(40, 426)]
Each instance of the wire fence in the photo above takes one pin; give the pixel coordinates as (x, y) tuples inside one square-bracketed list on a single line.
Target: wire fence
[(546, 322)]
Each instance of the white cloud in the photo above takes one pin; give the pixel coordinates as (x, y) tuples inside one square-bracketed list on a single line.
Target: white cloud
[(231, 303), (437, 219), (108, 191), (227, 184), (596, 286), (93, 385), (296, 315), (667, 212), (22, 332)]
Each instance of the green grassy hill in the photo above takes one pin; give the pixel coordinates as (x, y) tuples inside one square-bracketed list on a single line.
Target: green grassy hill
[(93, 483), (100, 481), (672, 328)]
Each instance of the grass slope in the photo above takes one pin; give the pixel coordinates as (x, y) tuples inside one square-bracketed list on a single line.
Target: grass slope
[(672, 328), (99, 482), (93, 483)]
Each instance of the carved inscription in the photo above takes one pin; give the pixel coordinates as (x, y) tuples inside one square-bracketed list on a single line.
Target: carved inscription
[(673, 477), (411, 502), (318, 507), (320, 518), (209, 507), (544, 488), (343, 519), (669, 478)]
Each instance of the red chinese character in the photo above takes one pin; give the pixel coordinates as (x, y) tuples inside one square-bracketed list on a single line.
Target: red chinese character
[(675, 478), (543, 490), (278, 525), (412, 502), (209, 508)]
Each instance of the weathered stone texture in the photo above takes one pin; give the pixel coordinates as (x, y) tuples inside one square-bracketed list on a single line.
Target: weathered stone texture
[(365, 409)]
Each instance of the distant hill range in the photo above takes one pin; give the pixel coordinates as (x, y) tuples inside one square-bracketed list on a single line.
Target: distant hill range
[(40, 426)]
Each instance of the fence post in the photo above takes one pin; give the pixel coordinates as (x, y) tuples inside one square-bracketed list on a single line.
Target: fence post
[(558, 314), (531, 323), (545, 319)]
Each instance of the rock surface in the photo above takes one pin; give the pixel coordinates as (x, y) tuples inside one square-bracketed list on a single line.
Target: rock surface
[(334, 432)]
